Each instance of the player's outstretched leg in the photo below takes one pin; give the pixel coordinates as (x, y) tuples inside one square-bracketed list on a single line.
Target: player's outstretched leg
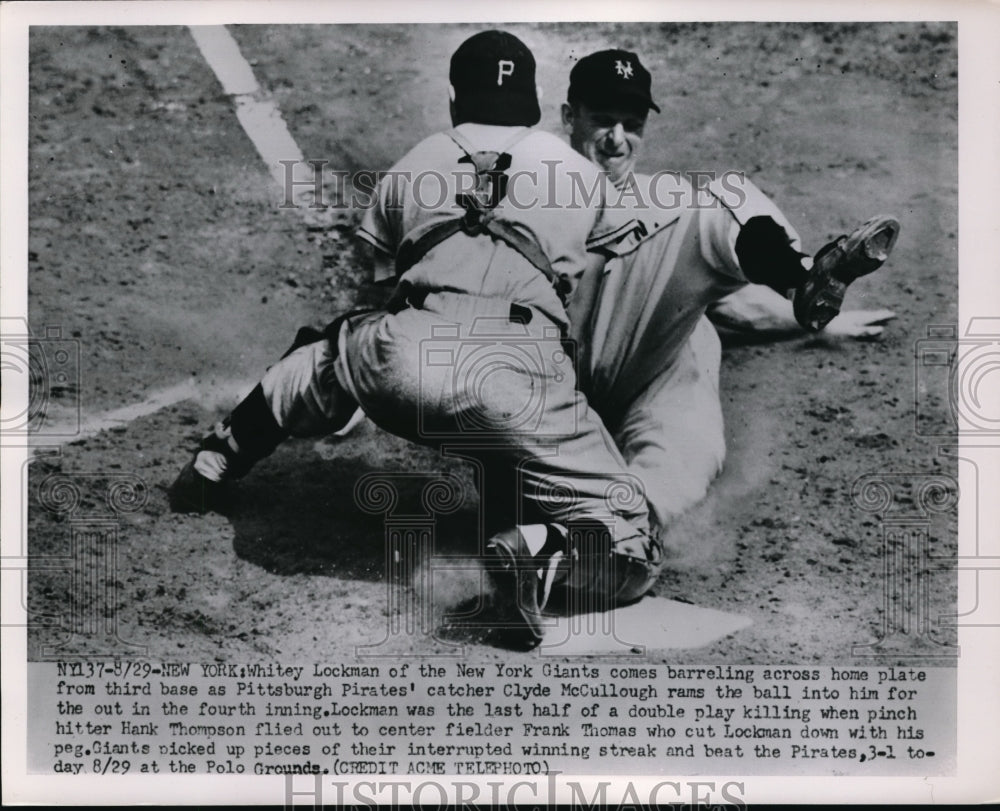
[(767, 256), (302, 395), (818, 299)]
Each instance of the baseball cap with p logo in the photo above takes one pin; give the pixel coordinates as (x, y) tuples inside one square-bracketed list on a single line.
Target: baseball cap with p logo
[(609, 78), (493, 74)]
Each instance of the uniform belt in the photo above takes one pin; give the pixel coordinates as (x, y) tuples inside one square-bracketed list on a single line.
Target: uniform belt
[(407, 296)]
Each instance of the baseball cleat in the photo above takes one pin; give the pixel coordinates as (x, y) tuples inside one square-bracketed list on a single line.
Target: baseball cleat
[(818, 299), (523, 583), (201, 486), (193, 493)]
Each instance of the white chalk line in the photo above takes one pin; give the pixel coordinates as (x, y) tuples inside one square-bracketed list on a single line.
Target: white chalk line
[(262, 121), (63, 427), (258, 115)]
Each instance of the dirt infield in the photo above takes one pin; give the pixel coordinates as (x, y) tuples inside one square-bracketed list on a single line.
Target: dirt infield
[(157, 242)]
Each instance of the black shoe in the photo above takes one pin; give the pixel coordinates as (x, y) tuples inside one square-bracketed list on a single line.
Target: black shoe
[(523, 583), (818, 300), (192, 492)]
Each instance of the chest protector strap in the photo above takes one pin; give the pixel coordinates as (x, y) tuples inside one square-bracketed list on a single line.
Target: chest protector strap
[(480, 217)]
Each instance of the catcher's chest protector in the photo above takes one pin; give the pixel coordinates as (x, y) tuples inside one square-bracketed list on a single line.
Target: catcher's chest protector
[(479, 218)]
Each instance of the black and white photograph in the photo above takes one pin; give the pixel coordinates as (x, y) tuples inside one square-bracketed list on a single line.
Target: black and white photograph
[(494, 401)]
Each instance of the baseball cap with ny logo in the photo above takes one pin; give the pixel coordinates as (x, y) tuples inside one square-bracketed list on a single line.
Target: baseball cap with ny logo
[(611, 77)]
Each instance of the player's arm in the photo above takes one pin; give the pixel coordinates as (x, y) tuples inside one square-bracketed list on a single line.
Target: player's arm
[(756, 310), (580, 307), (382, 230)]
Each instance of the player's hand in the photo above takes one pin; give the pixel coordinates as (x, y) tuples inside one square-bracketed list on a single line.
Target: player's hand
[(859, 323)]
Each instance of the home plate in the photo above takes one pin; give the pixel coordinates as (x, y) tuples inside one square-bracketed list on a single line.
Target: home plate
[(654, 623)]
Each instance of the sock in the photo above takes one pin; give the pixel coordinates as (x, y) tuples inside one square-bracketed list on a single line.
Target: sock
[(535, 536), (766, 255), (255, 432), (219, 457), (211, 465)]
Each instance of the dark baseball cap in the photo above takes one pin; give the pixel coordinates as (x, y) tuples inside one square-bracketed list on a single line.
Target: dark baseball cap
[(611, 77), (493, 74)]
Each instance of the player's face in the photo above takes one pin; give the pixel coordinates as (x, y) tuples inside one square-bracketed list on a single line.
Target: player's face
[(609, 136)]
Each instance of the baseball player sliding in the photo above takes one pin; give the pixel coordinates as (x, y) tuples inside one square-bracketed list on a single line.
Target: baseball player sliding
[(470, 350), (650, 363), (649, 357)]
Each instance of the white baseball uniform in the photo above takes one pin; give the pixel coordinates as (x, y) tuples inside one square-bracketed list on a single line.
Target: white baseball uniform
[(652, 370), (472, 357)]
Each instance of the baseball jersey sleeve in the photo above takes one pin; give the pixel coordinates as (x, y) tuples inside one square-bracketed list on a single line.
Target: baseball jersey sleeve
[(718, 228), (381, 227)]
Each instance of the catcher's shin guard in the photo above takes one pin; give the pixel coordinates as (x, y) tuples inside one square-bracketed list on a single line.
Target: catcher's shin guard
[(818, 299)]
